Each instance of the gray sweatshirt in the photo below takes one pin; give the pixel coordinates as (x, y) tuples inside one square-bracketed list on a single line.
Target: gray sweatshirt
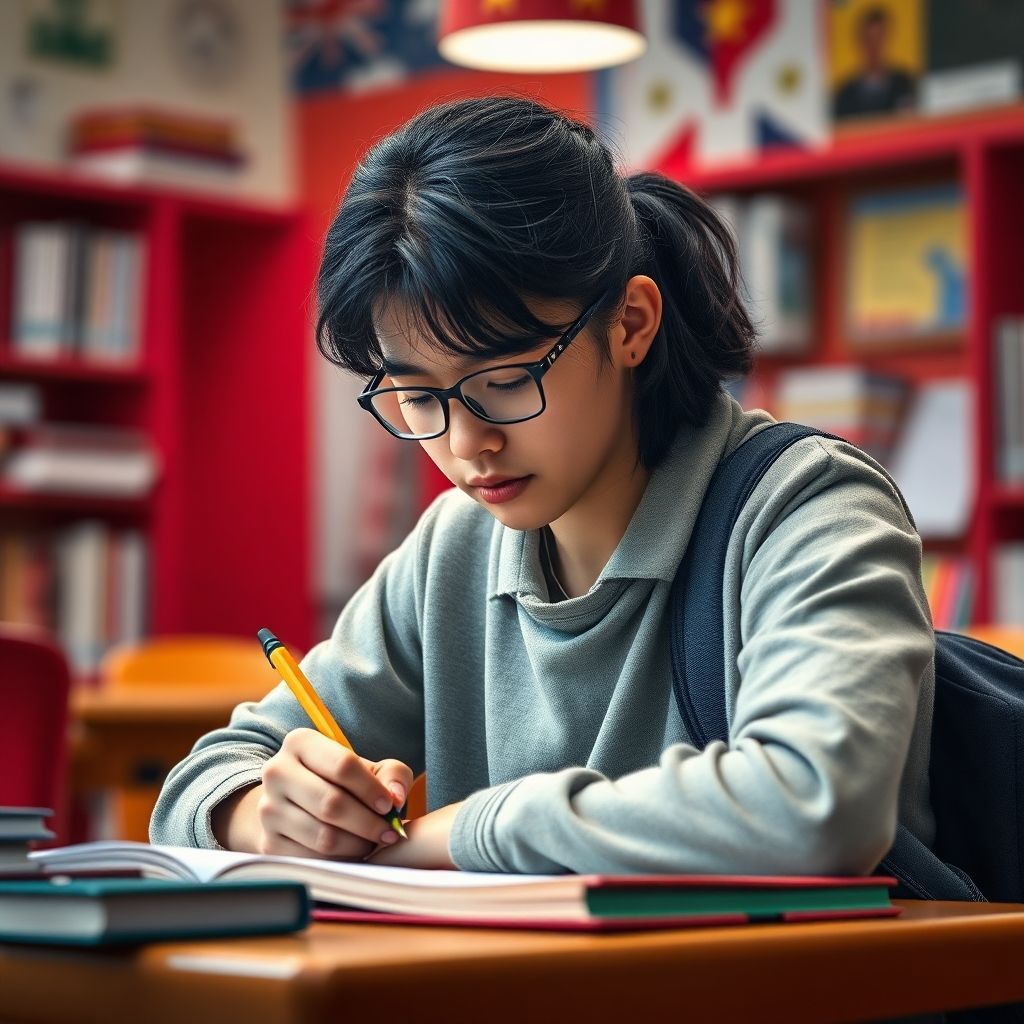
[(555, 721)]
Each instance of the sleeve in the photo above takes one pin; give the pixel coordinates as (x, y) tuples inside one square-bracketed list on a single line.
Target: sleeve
[(368, 673), (835, 637)]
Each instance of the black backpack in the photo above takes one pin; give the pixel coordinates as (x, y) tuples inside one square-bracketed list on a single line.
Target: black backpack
[(976, 768)]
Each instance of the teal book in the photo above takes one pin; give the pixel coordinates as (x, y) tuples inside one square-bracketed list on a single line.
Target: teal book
[(118, 911)]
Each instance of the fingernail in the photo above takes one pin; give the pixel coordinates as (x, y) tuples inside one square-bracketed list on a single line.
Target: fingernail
[(383, 805), (398, 792), (388, 837)]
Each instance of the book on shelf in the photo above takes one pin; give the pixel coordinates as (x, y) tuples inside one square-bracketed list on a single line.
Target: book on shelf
[(150, 144), (85, 583), (1008, 572), (1009, 407), (773, 240), (20, 404), (949, 586), (77, 292), (82, 459), (361, 891), (120, 911), (933, 459), (906, 265), (862, 406)]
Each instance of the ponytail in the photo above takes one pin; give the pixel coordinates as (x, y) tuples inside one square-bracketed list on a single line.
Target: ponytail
[(705, 335)]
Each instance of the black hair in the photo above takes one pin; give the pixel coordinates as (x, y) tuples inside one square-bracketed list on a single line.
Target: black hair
[(475, 205)]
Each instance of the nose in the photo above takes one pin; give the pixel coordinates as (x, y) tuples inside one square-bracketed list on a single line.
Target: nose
[(468, 435)]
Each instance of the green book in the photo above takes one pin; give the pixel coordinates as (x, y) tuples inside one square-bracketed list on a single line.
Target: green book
[(115, 911)]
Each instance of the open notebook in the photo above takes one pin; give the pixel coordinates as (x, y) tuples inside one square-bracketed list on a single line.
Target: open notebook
[(360, 891)]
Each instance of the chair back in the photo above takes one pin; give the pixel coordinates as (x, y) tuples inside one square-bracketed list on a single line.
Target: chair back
[(192, 660), (35, 683), (1009, 638)]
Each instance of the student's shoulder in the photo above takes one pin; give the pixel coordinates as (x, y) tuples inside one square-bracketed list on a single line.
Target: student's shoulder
[(839, 472)]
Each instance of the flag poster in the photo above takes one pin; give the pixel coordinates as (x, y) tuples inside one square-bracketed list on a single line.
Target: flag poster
[(722, 80)]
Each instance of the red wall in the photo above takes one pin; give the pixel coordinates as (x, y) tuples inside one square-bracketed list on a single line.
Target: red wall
[(334, 130)]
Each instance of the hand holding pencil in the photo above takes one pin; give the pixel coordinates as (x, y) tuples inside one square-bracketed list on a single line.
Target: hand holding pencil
[(319, 796)]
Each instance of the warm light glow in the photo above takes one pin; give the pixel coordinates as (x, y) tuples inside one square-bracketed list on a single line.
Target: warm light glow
[(542, 46)]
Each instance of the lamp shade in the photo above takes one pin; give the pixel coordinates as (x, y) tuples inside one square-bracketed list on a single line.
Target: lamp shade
[(540, 35)]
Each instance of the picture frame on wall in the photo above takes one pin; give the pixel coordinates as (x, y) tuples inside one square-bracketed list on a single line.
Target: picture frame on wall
[(904, 267)]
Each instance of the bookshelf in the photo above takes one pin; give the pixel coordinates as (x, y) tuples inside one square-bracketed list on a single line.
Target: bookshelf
[(220, 389), (984, 154)]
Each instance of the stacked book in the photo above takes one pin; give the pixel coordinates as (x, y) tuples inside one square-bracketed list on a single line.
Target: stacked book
[(82, 459), (76, 292), (1009, 378), (773, 239), (20, 827), (144, 143), (864, 407), (68, 903), (1009, 584), (85, 583), (949, 587)]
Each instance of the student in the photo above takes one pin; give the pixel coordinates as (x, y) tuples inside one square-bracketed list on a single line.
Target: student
[(515, 645)]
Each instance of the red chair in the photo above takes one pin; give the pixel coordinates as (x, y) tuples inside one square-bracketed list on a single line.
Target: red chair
[(34, 687)]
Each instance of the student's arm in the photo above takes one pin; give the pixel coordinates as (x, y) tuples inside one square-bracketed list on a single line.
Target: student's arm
[(836, 637), (368, 673)]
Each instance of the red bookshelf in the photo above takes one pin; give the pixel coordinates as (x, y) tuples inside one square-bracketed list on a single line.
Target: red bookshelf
[(222, 389), (984, 152)]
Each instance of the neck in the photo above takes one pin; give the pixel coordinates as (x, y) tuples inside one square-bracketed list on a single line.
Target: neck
[(585, 536)]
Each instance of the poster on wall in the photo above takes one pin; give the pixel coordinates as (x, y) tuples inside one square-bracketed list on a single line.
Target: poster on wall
[(906, 267), (360, 45), (75, 33), (722, 80), (876, 57)]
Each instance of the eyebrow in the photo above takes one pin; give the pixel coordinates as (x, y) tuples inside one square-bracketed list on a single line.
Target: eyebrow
[(397, 368)]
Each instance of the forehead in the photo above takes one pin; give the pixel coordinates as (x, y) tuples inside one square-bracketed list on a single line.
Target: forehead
[(407, 347)]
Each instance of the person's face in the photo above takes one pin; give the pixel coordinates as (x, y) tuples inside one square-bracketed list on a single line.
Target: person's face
[(873, 40), (559, 453)]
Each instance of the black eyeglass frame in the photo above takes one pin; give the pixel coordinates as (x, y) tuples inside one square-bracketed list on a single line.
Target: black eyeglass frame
[(536, 370)]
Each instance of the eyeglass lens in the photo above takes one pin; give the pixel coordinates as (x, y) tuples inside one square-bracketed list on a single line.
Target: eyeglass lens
[(501, 395)]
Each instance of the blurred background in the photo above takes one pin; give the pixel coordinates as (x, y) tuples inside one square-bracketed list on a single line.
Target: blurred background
[(178, 467)]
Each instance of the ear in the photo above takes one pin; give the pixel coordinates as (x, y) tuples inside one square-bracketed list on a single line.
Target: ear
[(633, 330)]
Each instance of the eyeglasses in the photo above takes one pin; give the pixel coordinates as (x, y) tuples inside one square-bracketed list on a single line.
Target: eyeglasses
[(501, 394)]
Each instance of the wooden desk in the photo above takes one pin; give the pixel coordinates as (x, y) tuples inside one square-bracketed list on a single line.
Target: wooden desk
[(935, 956)]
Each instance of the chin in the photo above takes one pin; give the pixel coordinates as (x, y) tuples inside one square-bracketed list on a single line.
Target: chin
[(523, 517)]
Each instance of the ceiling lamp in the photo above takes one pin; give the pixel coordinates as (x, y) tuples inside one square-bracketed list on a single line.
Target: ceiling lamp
[(540, 35)]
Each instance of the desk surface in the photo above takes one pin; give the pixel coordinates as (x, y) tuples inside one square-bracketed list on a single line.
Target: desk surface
[(935, 956)]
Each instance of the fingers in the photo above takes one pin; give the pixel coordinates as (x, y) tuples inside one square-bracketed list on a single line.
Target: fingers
[(319, 799), (325, 802), (292, 831), (396, 776), (340, 766)]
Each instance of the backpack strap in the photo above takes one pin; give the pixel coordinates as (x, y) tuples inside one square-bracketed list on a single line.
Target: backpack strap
[(696, 630), (695, 601)]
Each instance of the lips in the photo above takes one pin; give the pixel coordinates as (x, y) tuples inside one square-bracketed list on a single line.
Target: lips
[(491, 481)]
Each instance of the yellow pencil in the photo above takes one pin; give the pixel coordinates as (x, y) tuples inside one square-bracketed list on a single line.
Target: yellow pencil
[(279, 656)]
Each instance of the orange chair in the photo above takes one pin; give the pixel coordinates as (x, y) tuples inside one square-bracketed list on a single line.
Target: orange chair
[(176, 665), (34, 685), (180, 663), (1009, 638)]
